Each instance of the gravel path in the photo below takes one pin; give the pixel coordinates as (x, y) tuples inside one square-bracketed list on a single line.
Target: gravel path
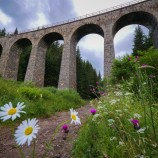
[(61, 145)]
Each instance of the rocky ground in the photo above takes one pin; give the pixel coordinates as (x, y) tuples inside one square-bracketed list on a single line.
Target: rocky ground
[(60, 146)]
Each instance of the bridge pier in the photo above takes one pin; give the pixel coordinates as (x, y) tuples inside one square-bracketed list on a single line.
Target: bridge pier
[(67, 77), (109, 54), (36, 66), (155, 37), (11, 63)]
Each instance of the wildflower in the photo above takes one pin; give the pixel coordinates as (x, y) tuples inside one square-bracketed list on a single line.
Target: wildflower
[(112, 138), (8, 111), (121, 143), (97, 83), (141, 130), (26, 131), (136, 124), (136, 115), (128, 93), (129, 59), (111, 121), (139, 156), (74, 117), (65, 128), (118, 93), (93, 111), (113, 101), (118, 111)]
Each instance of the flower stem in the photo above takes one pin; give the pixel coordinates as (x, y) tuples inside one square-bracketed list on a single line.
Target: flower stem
[(54, 134), (33, 152)]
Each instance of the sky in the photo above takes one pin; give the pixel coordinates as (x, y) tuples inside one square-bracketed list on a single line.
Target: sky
[(26, 14)]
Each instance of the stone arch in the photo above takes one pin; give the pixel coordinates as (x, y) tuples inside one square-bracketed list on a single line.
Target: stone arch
[(139, 17), (85, 30), (43, 45), (70, 51), (14, 58)]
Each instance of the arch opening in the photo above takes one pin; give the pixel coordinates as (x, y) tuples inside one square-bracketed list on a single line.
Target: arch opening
[(139, 17), (124, 39), (89, 57), (25, 46), (18, 59), (52, 46)]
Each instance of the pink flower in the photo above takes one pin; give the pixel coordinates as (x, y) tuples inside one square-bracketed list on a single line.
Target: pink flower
[(93, 111), (97, 83), (65, 128), (135, 124)]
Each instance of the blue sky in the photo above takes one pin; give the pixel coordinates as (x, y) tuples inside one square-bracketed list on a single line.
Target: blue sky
[(26, 14)]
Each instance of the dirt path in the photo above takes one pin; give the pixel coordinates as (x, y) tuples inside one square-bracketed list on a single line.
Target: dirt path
[(62, 143)]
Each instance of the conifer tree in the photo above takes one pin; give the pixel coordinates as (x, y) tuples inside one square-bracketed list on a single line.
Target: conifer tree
[(138, 41), (141, 41), (16, 31)]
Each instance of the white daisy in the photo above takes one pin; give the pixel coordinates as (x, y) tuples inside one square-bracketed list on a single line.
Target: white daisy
[(74, 117), (8, 111), (26, 131)]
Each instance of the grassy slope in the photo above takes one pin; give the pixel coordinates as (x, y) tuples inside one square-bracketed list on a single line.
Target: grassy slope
[(40, 102)]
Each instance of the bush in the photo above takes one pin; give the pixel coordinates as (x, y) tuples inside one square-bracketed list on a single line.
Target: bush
[(122, 69)]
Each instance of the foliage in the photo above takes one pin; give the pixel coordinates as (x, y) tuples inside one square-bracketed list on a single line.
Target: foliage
[(2, 32), (16, 31), (141, 41), (52, 66), (110, 132), (23, 63), (86, 77), (122, 69), (40, 102)]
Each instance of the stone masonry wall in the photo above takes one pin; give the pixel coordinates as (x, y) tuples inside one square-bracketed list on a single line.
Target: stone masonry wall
[(106, 22)]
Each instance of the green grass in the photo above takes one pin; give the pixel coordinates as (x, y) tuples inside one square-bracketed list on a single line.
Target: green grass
[(39, 102), (110, 132)]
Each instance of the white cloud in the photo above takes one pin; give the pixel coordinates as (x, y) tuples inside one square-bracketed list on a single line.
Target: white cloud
[(83, 7), (4, 19), (92, 42), (41, 20), (92, 49)]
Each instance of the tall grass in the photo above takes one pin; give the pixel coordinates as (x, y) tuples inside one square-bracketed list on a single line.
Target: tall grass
[(110, 132)]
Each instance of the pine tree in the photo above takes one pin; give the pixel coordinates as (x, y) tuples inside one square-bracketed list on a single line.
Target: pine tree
[(52, 65), (99, 76), (138, 41), (148, 41), (141, 41), (16, 31), (3, 32)]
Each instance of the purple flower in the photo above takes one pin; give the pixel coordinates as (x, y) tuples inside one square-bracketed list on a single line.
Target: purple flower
[(135, 124), (101, 92), (65, 128), (129, 59), (137, 57), (93, 111), (97, 83), (135, 121)]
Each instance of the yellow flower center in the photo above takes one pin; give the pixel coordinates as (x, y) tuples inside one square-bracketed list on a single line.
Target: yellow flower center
[(28, 130), (73, 117), (12, 111)]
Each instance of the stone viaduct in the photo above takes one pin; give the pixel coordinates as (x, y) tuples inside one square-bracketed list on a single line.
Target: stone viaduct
[(105, 23)]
